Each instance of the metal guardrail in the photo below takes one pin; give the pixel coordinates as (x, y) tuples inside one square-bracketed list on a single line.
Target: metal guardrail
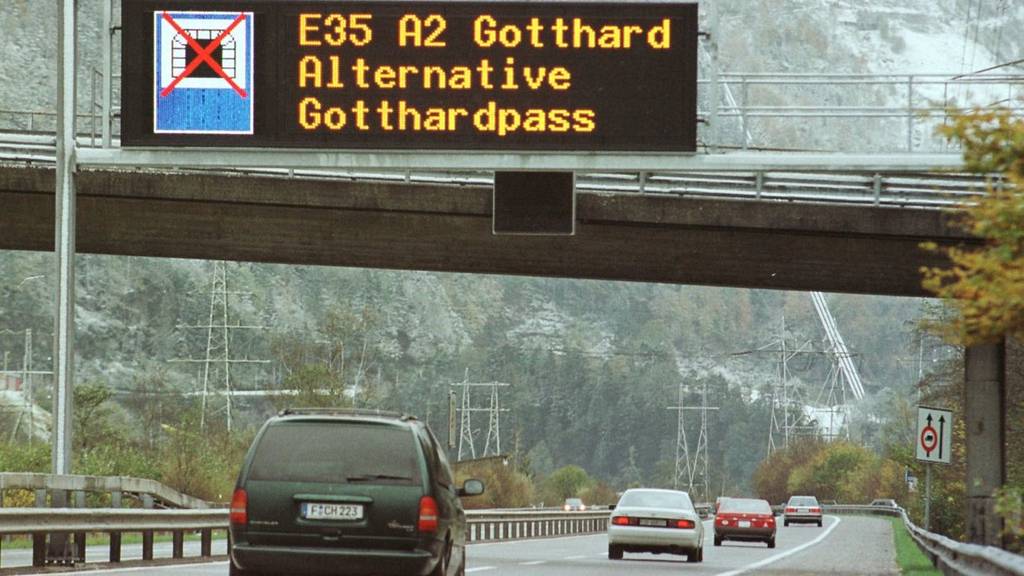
[(952, 557), (483, 526), (493, 526), (948, 555), (70, 520), (81, 522)]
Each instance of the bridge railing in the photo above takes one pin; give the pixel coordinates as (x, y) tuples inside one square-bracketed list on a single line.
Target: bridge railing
[(764, 109), (903, 190), (114, 485), (757, 110)]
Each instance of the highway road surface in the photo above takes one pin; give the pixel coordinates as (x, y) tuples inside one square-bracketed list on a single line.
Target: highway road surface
[(844, 546)]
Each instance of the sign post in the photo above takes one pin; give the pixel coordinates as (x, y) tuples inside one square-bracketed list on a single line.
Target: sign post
[(451, 419), (934, 440)]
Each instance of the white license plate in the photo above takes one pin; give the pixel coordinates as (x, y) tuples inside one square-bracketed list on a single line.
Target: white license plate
[(325, 511), (744, 524), (652, 522)]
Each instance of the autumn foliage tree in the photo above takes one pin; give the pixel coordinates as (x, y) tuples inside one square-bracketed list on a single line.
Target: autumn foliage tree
[(985, 284)]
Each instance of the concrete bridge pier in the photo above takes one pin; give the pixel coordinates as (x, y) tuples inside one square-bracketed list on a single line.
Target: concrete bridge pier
[(991, 372)]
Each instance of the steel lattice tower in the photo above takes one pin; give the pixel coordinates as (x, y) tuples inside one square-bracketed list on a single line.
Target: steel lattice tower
[(697, 469), (492, 443), (215, 372)]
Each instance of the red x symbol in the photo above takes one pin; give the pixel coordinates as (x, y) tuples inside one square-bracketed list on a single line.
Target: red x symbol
[(203, 55)]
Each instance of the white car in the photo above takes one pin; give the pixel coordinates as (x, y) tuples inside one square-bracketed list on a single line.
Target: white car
[(657, 521), (803, 510)]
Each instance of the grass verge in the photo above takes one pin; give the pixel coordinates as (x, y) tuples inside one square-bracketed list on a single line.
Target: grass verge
[(911, 560)]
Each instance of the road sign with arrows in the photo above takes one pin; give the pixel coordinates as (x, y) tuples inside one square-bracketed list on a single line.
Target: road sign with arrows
[(934, 437)]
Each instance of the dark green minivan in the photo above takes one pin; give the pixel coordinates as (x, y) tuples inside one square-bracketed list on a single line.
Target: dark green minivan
[(347, 492)]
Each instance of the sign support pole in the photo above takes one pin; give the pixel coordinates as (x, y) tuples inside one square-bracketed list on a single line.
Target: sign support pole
[(64, 242), (58, 550), (714, 96), (927, 496)]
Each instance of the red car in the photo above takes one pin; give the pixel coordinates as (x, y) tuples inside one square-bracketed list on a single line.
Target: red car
[(745, 519)]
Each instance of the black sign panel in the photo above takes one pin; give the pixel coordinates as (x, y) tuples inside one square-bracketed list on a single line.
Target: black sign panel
[(534, 203), (586, 76)]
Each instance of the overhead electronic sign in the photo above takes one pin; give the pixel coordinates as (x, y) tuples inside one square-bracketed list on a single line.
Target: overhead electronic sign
[(496, 75)]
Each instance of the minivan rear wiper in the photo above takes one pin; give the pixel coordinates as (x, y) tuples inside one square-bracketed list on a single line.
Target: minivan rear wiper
[(369, 477)]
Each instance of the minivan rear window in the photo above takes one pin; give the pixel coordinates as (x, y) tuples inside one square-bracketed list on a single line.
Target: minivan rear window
[(333, 452)]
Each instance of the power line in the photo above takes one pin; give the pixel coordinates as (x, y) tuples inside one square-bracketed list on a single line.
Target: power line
[(989, 69), (1003, 5), (977, 29)]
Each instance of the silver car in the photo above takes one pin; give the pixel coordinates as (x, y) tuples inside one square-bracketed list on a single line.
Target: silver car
[(803, 509), (658, 521)]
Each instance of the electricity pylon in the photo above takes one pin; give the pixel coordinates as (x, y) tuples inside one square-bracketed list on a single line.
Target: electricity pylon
[(217, 362), (492, 443), (693, 472)]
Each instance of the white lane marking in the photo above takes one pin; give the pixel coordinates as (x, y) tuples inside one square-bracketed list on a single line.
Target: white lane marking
[(787, 553), (140, 568), (479, 569), (533, 563)]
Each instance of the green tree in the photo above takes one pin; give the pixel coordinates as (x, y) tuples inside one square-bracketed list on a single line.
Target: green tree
[(314, 385), (93, 425), (566, 482)]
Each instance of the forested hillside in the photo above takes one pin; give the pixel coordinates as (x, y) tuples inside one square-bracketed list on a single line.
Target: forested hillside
[(593, 366)]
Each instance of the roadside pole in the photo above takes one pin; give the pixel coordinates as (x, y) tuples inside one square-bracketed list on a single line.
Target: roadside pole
[(64, 246), (64, 242), (928, 496), (933, 443), (714, 96)]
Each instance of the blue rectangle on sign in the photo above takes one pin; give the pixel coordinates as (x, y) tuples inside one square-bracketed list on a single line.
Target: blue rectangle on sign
[(203, 69)]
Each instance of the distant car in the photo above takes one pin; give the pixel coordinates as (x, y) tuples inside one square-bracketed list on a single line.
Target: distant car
[(885, 503), (346, 492), (574, 505), (745, 519), (657, 521), (803, 510)]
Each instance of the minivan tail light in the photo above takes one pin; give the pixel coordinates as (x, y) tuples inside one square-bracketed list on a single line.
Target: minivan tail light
[(428, 515), (239, 512)]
